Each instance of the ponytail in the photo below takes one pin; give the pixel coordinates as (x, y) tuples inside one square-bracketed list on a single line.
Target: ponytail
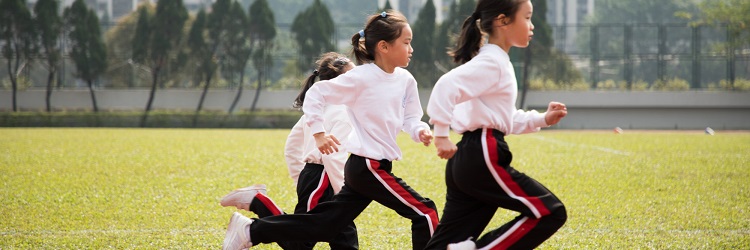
[(330, 65), (359, 49), (301, 97), (385, 26), (469, 41), (481, 21)]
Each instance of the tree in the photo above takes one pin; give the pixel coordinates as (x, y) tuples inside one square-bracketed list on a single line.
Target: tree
[(87, 46), (423, 60), (386, 7), (263, 31), (314, 30), (238, 47), (199, 49), (49, 25), (732, 14), (157, 41), (207, 52), (18, 39), (448, 32)]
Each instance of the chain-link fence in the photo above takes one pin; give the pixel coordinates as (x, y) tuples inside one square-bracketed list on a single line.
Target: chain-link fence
[(598, 57)]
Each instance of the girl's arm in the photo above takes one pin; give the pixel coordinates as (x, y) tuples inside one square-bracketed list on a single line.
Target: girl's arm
[(293, 150), (334, 163), (413, 124), (527, 121), (339, 90)]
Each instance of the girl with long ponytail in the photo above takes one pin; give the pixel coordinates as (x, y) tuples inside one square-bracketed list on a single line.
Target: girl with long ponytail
[(477, 100)]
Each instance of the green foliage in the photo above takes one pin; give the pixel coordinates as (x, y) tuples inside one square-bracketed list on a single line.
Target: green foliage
[(17, 38), (166, 30), (387, 6), (449, 31), (49, 25), (140, 53), (159, 188), (200, 50), (22, 83), (674, 84), (550, 85), (238, 46), (158, 119), (739, 85), (732, 13), (263, 31), (87, 45), (314, 30), (422, 63)]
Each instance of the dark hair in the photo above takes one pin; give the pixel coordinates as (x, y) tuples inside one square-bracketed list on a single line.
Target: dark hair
[(330, 65), (471, 33), (384, 26)]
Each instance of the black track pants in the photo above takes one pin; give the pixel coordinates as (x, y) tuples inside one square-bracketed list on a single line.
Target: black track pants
[(366, 180), (480, 180)]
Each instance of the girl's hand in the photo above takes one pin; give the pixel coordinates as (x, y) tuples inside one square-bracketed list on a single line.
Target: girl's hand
[(326, 143), (555, 112), (425, 136), (445, 148)]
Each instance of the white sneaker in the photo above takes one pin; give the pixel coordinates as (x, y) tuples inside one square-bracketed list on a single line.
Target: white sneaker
[(463, 245), (241, 198), (238, 233)]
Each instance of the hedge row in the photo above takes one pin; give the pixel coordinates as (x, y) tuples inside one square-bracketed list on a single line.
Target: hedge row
[(156, 119)]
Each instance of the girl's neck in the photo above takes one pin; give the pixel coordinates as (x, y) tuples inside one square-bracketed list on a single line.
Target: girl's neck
[(500, 43), (383, 65)]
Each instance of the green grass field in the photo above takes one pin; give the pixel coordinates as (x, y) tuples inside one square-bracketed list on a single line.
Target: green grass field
[(67, 188)]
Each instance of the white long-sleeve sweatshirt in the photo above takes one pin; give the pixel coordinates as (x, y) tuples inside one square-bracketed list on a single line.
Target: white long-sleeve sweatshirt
[(379, 105), (300, 146), (481, 94)]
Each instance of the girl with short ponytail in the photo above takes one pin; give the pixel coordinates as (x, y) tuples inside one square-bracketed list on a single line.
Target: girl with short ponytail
[(381, 100), (477, 100), (317, 177)]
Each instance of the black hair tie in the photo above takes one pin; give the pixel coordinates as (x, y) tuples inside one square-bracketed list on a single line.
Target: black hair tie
[(316, 72)]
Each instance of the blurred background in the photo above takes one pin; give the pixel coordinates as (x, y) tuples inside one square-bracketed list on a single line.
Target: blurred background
[(248, 55)]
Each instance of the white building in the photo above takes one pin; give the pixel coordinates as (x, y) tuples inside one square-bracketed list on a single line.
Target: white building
[(568, 15)]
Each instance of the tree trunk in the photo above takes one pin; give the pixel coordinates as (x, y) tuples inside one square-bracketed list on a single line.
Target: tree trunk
[(239, 93), (48, 97), (257, 91), (154, 79), (93, 97), (14, 77), (203, 98)]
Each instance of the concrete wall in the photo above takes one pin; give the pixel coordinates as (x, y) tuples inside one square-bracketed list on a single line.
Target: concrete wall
[(587, 110)]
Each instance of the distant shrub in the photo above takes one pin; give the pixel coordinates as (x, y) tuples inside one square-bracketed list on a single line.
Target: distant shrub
[(739, 85), (22, 81), (674, 84)]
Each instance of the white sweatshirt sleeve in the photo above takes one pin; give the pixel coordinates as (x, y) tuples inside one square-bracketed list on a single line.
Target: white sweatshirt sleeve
[(294, 150), (459, 85), (334, 163), (528, 121), (413, 113), (339, 90)]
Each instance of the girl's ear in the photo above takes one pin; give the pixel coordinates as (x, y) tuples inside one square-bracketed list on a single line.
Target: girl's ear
[(502, 19), (382, 46)]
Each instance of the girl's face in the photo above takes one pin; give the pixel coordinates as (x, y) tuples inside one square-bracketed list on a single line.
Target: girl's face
[(520, 31), (400, 50)]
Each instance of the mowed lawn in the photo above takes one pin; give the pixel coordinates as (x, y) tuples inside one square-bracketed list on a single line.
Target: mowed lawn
[(71, 188)]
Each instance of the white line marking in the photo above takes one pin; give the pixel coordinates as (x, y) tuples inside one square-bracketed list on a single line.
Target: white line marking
[(564, 143)]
